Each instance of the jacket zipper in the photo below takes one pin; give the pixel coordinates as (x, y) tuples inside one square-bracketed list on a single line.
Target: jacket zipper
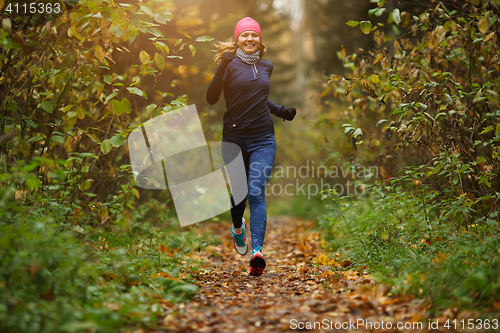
[(254, 74)]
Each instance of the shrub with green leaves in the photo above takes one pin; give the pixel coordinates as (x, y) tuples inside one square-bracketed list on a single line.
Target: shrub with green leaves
[(429, 96), (424, 107), (64, 268)]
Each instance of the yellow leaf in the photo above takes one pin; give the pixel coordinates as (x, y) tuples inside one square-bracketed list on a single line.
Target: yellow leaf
[(144, 56), (324, 260), (350, 88), (192, 49), (483, 24), (342, 52), (325, 92), (160, 61), (436, 37), (490, 35), (99, 53), (366, 27), (375, 78), (368, 88), (379, 57), (440, 32), (99, 91)]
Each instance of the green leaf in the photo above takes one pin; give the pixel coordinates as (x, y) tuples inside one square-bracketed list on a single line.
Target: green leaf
[(106, 146), (85, 185), (204, 39), (366, 27), (110, 97), (32, 183), (193, 50), (80, 113), (131, 34), (379, 3), (71, 114), (497, 132), (116, 140), (396, 16), (149, 70), (348, 131), (376, 11), (352, 23), (479, 97), (161, 18), (137, 91), (117, 107), (184, 290), (57, 138), (126, 107), (162, 47), (47, 106), (107, 79), (147, 10), (35, 139), (116, 30), (160, 61), (150, 108), (357, 133), (30, 122), (486, 130), (94, 138)]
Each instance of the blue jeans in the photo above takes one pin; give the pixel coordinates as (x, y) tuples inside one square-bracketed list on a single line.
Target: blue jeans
[(258, 157)]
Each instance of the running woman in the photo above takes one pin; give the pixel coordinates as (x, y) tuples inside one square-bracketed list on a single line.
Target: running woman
[(244, 77)]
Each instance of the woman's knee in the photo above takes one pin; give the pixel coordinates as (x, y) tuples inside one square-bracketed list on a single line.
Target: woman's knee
[(256, 193)]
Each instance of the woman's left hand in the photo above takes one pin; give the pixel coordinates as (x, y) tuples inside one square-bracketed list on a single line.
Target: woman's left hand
[(288, 113)]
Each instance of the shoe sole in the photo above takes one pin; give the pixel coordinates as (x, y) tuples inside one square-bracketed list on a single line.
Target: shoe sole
[(257, 265), (242, 250)]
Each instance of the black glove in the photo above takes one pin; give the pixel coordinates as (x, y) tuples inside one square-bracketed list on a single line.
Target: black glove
[(288, 113), (227, 57)]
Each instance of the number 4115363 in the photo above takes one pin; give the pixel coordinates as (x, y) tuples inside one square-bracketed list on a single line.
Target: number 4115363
[(472, 324), (33, 8)]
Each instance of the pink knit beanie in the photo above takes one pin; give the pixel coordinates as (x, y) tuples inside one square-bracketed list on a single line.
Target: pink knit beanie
[(245, 24)]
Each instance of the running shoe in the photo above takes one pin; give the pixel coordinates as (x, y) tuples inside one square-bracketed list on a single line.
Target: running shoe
[(240, 240), (257, 261)]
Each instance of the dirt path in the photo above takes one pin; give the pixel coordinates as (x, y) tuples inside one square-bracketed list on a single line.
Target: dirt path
[(292, 294)]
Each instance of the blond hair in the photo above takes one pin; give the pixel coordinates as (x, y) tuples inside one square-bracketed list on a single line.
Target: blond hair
[(231, 46)]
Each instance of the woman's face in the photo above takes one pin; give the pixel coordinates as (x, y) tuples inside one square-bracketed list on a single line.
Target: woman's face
[(249, 41)]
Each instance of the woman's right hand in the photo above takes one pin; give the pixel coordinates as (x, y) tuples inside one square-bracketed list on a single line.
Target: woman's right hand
[(227, 57)]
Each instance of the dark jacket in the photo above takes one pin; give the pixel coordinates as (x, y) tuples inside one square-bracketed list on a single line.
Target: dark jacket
[(246, 88)]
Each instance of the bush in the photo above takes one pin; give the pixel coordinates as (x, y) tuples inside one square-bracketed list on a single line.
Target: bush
[(66, 266), (417, 244)]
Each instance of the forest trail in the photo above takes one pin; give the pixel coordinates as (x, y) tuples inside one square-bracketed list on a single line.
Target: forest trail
[(291, 294)]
